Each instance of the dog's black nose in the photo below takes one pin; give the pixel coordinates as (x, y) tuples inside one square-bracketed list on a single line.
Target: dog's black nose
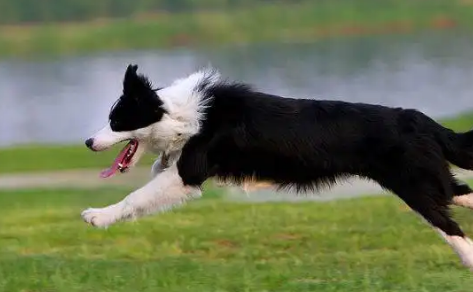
[(89, 142)]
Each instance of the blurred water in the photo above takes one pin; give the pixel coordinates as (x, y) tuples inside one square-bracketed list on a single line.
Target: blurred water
[(65, 100)]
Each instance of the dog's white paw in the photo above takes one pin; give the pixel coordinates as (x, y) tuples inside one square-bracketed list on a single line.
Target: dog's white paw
[(100, 217)]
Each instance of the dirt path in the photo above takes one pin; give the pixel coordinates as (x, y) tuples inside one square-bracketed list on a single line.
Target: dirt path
[(139, 176), (82, 178)]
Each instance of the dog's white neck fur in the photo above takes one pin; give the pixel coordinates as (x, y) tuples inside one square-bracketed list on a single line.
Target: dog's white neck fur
[(185, 101)]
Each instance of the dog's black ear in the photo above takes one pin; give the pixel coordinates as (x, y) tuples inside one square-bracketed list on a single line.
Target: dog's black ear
[(132, 68), (131, 71), (135, 84), (131, 78)]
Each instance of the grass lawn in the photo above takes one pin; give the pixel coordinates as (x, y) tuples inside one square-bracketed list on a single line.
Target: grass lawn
[(56, 157), (368, 244), (460, 123), (276, 21), (51, 158)]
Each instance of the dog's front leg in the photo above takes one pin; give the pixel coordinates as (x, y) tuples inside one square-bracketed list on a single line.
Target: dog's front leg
[(164, 192)]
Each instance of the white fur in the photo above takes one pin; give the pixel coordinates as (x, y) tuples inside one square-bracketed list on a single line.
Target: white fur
[(183, 99), (162, 193), (106, 138), (464, 201), (184, 104), (463, 246)]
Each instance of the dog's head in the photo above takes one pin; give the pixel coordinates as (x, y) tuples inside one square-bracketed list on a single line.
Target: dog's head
[(156, 120), (132, 119)]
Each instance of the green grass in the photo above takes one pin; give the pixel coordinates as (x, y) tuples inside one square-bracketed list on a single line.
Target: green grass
[(308, 20), (369, 244), (54, 158), (51, 158), (460, 123)]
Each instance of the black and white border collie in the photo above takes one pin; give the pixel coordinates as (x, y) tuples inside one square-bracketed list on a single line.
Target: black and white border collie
[(207, 127)]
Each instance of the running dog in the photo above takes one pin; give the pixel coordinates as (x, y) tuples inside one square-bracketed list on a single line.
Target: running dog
[(207, 127)]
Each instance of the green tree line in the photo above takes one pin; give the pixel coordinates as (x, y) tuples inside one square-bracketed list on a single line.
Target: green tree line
[(31, 11)]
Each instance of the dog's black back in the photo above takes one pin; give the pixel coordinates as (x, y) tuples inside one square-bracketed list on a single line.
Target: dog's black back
[(308, 143)]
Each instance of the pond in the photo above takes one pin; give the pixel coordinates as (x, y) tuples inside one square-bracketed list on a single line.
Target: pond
[(66, 99)]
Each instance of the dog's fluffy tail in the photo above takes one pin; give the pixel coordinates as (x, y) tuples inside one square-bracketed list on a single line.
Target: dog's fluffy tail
[(458, 148)]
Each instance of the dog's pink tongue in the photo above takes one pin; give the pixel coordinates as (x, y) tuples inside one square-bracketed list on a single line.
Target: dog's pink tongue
[(114, 168)]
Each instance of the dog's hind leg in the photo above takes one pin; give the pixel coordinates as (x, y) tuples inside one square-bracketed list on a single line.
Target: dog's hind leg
[(449, 230), (429, 202), (462, 194)]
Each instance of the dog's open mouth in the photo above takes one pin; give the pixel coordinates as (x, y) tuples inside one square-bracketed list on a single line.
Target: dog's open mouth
[(123, 160)]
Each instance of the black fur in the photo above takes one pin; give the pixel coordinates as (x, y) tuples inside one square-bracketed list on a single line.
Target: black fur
[(306, 144), (139, 105)]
